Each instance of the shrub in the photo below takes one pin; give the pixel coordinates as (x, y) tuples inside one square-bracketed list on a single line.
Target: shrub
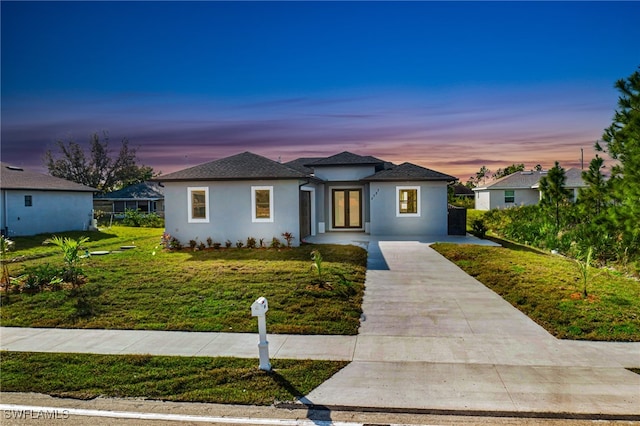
[(41, 276), (175, 244), (288, 237), (478, 228), (210, 242), (136, 218), (275, 243), (201, 246), (216, 246), (228, 244), (239, 244), (251, 243), (193, 244)]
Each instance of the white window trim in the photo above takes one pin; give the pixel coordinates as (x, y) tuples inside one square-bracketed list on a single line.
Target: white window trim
[(190, 218), (253, 204), (401, 188), (505, 196)]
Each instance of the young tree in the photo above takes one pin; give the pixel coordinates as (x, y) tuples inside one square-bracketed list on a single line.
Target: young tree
[(552, 190), (99, 169), (622, 141), (593, 198)]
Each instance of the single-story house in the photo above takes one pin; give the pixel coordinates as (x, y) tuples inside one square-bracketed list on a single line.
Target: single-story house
[(521, 188), (34, 203), (247, 195), (145, 197)]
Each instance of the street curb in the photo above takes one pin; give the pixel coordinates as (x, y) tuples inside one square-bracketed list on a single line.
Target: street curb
[(462, 412)]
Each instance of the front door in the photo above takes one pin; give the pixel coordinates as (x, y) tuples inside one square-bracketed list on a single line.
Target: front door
[(347, 208)]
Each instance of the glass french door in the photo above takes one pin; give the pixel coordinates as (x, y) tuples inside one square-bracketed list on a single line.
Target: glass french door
[(347, 208)]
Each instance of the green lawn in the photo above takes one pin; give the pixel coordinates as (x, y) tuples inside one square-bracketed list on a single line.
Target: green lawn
[(209, 290), (547, 288), (192, 379)]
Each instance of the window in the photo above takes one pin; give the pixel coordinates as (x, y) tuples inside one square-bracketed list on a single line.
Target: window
[(198, 205), (28, 200), (408, 201), (510, 196), (262, 203)]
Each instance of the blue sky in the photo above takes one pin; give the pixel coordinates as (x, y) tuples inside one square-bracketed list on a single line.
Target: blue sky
[(448, 85)]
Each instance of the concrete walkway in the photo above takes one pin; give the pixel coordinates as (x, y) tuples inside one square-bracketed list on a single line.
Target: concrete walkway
[(432, 338)]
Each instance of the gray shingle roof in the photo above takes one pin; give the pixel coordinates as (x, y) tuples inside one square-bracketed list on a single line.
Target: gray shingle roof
[(139, 191), (346, 158), (409, 172), (299, 164), (237, 167), (531, 179), (18, 178)]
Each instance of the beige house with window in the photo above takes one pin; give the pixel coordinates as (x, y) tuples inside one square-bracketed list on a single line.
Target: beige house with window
[(247, 195)]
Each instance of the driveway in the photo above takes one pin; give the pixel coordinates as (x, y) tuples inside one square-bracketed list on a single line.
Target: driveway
[(434, 338)]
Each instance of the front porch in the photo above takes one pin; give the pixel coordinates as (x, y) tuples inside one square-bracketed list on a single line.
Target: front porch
[(362, 239)]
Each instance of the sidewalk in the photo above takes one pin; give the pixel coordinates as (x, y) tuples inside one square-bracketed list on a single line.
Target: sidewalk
[(175, 343)]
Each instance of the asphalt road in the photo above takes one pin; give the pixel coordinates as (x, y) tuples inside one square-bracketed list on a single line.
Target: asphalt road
[(46, 410)]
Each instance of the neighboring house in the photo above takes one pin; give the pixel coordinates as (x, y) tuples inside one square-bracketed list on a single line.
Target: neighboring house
[(35, 203), (248, 195), (521, 188), (145, 197)]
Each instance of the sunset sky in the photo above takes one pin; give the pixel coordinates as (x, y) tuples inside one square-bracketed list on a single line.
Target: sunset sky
[(448, 85)]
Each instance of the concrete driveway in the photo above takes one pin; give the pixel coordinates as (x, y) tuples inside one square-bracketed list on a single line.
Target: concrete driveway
[(434, 338)]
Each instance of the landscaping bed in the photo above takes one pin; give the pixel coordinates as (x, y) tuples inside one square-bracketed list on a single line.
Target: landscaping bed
[(148, 287), (189, 379), (550, 290)]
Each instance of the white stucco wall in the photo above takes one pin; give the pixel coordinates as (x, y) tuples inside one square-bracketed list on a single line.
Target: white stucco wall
[(50, 212), (494, 198), (483, 200), (433, 209), (230, 212), (343, 173)]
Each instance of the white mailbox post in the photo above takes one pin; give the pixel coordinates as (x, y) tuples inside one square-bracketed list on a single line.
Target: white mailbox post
[(258, 309)]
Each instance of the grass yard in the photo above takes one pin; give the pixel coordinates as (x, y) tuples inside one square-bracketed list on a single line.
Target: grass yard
[(189, 379), (547, 288), (208, 290)]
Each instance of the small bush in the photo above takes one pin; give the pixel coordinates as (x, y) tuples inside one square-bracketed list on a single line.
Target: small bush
[(228, 244), (478, 228), (37, 278), (201, 246), (288, 237), (216, 246), (136, 218), (210, 242), (275, 243), (175, 244), (193, 244), (239, 244), (251, 243)]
